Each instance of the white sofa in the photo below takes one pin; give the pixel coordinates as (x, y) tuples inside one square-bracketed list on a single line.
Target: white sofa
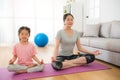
[(104, 37)]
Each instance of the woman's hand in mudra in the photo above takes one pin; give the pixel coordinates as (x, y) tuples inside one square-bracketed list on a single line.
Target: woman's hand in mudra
[(96, 52)]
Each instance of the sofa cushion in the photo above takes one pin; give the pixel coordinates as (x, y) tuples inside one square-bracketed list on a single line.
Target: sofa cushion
[(115, 29), (91, 30), (106, 44), (105, 29)]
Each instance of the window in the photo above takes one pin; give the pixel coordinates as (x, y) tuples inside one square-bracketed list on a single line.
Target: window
[(94, 9), (40, 15)]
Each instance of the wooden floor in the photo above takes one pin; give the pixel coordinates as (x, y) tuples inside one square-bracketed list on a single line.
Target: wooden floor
[(46, 52)]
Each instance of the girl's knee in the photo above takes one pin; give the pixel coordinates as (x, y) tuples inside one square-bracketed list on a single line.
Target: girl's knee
[(16, 67), (10, 68)]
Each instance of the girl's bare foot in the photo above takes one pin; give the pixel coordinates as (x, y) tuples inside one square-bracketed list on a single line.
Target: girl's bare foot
[(32, 65), (21, 71)]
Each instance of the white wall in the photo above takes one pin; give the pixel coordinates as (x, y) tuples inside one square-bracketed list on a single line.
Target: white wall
[(77, 11), (109, 10)]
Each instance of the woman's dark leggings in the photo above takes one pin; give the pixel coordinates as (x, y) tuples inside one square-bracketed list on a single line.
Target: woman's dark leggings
[(57, 65)]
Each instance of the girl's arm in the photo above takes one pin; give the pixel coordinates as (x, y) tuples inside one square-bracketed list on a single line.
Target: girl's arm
[(55, 53), (37, 60), (13, 59), (80, 48)]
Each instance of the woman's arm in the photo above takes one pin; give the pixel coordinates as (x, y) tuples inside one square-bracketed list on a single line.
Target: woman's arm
[(55, 53), (80, 48)]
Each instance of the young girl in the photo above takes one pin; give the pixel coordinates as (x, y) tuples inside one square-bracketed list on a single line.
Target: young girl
[(24, 51), (67, 38)]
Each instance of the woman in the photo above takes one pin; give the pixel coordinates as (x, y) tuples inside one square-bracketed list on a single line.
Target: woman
[(66, 39)]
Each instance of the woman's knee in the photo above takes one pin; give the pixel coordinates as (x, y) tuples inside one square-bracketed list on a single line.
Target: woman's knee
[(57, 65), (89, 58)]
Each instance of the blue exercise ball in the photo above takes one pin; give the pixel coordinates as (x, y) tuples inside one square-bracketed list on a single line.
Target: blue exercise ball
[(41, 39)]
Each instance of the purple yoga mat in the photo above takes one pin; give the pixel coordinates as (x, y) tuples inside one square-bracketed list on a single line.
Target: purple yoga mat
[(49, 71)]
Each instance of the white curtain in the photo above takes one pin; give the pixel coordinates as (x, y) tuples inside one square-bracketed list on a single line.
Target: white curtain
[(40, 15)]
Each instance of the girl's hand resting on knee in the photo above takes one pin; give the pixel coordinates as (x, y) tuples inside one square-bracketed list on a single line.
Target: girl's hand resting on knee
[(11, 61), (42, 62)]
